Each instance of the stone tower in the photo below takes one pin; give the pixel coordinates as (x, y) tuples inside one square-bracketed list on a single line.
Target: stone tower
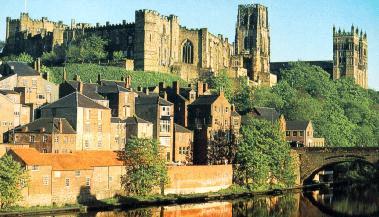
[(253, 41), (350, 55)]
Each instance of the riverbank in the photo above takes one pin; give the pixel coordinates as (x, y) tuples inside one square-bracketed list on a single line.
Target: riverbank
[(120, 202)]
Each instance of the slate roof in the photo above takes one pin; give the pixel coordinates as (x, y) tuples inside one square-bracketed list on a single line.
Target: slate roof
[(75, 99), (144, 99), (105, 89), (22, 69), (5, 92), (82, 160), (181, 129), (269, 114), (89, 90), (51, 125), (297, 125), (205, 100), (136, 120), (112, 83)]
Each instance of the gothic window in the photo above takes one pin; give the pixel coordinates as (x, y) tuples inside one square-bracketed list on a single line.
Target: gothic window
[(187, 52), (246, 43)]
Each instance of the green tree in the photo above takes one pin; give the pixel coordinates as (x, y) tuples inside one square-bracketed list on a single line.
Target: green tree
[(118, 56), (221, 81), (92, 48), (264, 156), (49, 58), (24, 57), (12, 179), (73, 54), (144, 168)]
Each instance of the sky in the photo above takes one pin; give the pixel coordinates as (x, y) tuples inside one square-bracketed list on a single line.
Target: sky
[(299, 30)]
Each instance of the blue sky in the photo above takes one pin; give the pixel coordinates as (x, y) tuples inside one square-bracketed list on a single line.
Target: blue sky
[(300, 30)]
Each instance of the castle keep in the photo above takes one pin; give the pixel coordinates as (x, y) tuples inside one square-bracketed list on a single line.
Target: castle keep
[(159, 43)]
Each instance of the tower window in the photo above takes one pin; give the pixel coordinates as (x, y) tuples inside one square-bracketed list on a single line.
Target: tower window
[(187, 51)]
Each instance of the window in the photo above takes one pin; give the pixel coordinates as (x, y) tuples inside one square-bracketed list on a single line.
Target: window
[(41, 96), (65, 140), (67, 182), (301, 133), (86, 143), (288, 133), (56, 139), (110, 178), (4, 123), (187, 52), (99, 143), (88, 181), (45, 180), (226, 122), (308, 134), (35, 168), (32, 138), (294, 133), (44, 138), (165, 126), (226, 109), (77, 173), (165, 110)]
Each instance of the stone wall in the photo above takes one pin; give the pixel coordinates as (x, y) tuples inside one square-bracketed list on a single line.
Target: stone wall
[(198, 179)]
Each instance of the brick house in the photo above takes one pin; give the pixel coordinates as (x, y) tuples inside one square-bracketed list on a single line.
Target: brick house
[(183, 142), (211, 116), (153, 108), (12, 114), (90, 120), (34, 88), (78, 177), (301, 133), (47, 135)]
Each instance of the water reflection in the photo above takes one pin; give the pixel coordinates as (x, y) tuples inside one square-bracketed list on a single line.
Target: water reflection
[(344, 201)]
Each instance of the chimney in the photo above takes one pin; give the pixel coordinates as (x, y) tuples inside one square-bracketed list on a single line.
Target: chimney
[(25, 129), (124, 22), (107, 23), (80, 87), (191, 86), (35, 66), (42, 130), (39, 64), (64, 74), (232, 107), (161, 86), (128, 81), (165, 95), (97, 24), (175, 85), (205, 87), (200, 88), (60, 124), (98, 78)]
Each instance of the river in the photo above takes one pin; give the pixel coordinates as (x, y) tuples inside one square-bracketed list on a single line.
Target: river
[(358, 201)]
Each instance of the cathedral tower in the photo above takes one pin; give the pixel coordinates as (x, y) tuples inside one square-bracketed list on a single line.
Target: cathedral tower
[(350, 55), (253, 41)]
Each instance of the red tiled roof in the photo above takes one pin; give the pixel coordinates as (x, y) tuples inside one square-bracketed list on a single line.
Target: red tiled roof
[(69, 161)]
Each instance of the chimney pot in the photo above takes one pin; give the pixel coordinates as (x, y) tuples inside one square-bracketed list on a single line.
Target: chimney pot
[(60, 125), (200, 88), (175, 85)]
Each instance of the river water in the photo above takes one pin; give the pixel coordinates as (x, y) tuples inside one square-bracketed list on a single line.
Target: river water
[(360, 201)]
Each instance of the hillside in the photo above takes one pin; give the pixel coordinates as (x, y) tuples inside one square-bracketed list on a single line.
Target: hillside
[(89, 72)]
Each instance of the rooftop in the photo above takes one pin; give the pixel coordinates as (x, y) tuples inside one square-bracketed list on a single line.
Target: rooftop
[(75, 99), (48, 125), (297, 125)]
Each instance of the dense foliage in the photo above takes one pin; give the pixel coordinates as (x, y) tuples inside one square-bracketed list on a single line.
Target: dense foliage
[(23, 57), (264, 156), (341, 111), (12, 175), (89, 72), (145, 170)]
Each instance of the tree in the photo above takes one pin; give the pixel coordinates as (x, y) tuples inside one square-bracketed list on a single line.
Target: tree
[(118, 56), (12, 179), (264, 156), (144, 168), (221, 81), (222, 147), (48, 58), (92, 48), (73, 54), (24, 57)]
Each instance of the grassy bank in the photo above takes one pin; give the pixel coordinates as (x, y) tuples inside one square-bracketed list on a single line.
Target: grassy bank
[(89, 72)]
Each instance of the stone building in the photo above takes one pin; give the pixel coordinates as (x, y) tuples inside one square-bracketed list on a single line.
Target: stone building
[(300, 133), (252, 42), (350, 55), (47, 135), (157, 110), (34, 88), (90, 120), (69, 178), (212, 117), (31, 35), (137, 127), (13, 113)]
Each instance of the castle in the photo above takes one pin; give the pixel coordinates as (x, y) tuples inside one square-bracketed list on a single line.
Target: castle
[(159, 43)]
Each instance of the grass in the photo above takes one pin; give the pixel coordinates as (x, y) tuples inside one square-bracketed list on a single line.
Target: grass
[(89, 72), (38, 208)]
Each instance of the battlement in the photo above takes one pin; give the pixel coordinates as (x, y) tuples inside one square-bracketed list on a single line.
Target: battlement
[(354, 32), (251, 6), (108, 26), (171, 17)]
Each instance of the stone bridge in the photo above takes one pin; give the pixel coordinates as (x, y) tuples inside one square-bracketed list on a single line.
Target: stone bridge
[(313, 160)]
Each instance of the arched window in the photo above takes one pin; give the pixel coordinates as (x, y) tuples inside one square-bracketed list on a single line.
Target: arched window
[(246, 43), (187, 52)]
